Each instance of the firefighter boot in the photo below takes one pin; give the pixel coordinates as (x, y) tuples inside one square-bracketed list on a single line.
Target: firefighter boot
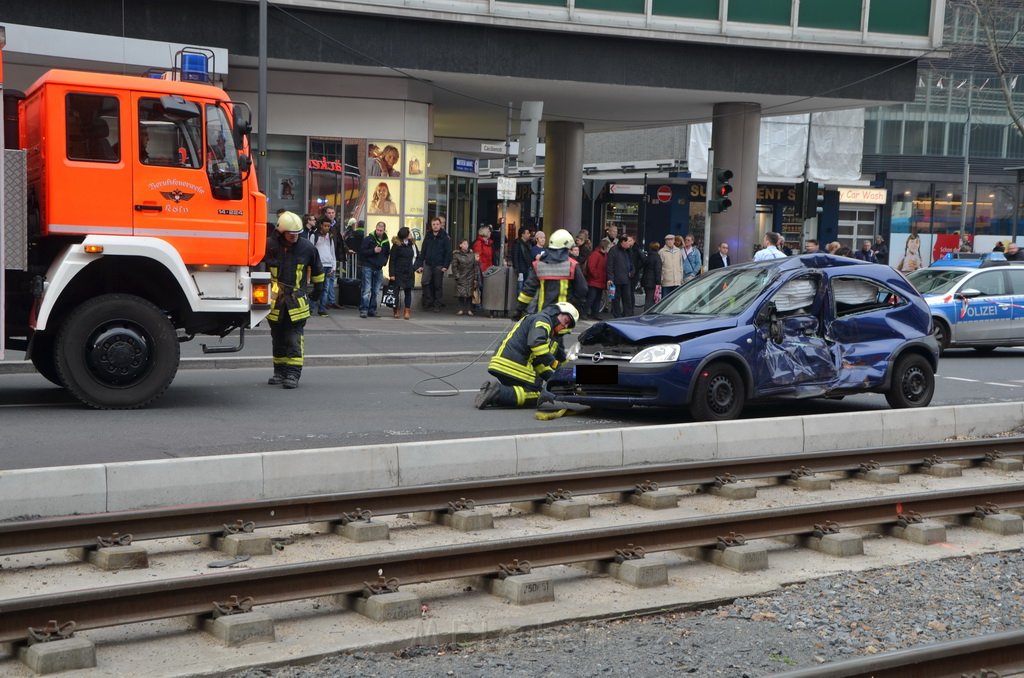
[(278, 377), (291, 379), (487, 395)]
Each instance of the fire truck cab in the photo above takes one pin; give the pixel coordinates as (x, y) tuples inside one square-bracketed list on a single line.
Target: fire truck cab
[(142, 225)]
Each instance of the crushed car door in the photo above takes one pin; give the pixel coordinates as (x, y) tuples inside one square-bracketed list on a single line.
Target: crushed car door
[(795, 352), (865, 330)]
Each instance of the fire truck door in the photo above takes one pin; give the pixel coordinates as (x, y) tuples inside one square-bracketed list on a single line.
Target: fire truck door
[(174, 198)]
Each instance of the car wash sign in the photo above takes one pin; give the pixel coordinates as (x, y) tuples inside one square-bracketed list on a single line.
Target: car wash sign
[(863, 195)]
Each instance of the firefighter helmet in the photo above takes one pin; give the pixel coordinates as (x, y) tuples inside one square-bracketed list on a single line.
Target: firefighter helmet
[(561, 240), (569, 310), (289, 222)]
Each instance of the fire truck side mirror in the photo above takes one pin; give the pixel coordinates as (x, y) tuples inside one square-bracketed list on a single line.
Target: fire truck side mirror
[(244, 163), (241, 124), (178, 109)]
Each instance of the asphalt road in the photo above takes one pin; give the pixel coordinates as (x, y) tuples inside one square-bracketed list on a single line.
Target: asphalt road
[(229, 411)]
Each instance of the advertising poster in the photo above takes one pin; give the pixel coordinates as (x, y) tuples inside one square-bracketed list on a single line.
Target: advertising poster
[(384, 159), (288, 187), (416, 161), (385, 196), (415, 197)]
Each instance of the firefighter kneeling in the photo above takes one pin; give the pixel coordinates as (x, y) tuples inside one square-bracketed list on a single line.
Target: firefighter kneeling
[(288, 258), (527, 357)]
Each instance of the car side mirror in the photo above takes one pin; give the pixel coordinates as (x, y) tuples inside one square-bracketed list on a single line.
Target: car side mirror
[(968, 293)]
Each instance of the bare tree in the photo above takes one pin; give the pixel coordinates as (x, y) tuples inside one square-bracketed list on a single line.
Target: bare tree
[(995, 26)]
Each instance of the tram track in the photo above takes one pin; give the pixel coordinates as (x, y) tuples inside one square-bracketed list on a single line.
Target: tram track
[(81, 530), (171, 597)]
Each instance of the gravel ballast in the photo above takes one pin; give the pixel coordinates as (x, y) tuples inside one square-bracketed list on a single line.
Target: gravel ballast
[(799, 626)]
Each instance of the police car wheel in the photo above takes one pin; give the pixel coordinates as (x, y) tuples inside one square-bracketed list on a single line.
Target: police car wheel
[(913, 383), (941, 333)]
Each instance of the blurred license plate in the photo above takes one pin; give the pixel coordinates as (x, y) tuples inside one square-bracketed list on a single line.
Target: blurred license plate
[(597, 374)]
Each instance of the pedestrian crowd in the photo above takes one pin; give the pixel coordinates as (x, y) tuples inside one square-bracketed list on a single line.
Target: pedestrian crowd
[(308, 255)]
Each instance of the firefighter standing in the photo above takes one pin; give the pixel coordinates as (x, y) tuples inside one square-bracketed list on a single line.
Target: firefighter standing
[(288, 258), (554, 278), (527, 357)]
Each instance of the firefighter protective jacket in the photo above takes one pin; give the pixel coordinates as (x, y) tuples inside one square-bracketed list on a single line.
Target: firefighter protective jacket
[(556, 277), (530, 351), (288, 272)]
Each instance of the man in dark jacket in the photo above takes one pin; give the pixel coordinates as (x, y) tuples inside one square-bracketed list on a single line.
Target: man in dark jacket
[(522, 257), (527, 358), (719, 259), (434, 261), (373, 255), (621, 276), (288, 257), (553, 278)]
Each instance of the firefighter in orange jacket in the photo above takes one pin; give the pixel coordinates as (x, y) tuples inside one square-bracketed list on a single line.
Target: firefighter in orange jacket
[(288, 258), (527, 357), (555, 277)]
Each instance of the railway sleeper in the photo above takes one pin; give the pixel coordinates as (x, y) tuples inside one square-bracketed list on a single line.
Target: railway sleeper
[(115, 552)]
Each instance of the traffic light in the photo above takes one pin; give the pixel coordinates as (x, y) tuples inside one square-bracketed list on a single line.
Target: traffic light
[(814, 200), (800, 201), (720, 200)]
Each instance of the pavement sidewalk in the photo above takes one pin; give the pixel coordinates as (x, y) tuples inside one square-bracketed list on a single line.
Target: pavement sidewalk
[(343, 339)]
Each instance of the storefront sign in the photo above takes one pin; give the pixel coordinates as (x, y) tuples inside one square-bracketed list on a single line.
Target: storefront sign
[(464, 165), (324, 164), (863, 195)]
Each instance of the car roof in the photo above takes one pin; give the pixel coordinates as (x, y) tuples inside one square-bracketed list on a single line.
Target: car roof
[(818, 260)]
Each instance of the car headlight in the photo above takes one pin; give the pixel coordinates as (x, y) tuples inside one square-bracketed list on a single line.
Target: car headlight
[(661, 353), (574, 352)]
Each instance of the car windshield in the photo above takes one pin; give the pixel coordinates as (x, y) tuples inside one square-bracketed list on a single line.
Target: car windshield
[(935, 280), (726, 291)]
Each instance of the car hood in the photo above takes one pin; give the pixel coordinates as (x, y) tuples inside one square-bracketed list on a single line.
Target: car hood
[(643, 328)]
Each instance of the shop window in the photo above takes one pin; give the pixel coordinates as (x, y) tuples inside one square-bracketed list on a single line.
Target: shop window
[(93, 128)]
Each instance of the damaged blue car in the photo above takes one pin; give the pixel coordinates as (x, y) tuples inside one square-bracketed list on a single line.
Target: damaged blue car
[(801, 327)]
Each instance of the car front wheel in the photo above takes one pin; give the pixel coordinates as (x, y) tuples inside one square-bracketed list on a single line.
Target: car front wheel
[(913, 383), (719, 394)]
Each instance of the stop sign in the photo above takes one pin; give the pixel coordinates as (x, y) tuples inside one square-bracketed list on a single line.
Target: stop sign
[(664, 193)]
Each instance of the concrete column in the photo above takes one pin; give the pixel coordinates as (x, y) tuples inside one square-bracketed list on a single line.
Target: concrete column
[(563, 176), (735, 136)]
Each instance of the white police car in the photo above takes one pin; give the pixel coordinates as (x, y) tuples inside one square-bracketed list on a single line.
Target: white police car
[(976, 300)]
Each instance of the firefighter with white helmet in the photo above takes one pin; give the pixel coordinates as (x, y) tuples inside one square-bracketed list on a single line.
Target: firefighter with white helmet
[(288, 259), (527, 357), (555, 277)]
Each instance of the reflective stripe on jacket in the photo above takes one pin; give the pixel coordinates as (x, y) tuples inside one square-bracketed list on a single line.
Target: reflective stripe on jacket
[(530, 350)]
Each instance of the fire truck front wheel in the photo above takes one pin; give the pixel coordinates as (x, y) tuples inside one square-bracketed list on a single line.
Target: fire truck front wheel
[(117, 351)]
